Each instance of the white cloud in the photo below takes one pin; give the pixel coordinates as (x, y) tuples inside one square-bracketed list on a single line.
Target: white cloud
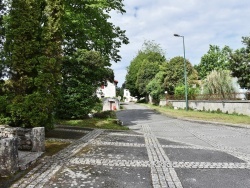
[(202, 23)]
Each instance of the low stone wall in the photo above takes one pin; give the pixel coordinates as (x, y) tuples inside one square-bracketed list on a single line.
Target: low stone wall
[(8, 156), (28, 139), (14, 139), (239, 107)]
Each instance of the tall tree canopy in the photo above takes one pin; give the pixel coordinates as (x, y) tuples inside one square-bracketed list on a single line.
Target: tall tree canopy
[(214, 59), (86, 26), (39, 33), (174, 74), (82, 75), (240, 64), (32, 55), (144, 67)]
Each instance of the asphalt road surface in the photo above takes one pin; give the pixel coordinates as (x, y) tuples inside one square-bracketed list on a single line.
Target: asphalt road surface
[(157, 152)]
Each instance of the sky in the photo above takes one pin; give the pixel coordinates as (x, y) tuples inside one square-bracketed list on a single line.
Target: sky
[(201, 22)]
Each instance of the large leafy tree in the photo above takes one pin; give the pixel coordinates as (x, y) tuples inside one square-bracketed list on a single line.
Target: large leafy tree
[(82, 75), (174, 74), (32, 56), (87, 26), (240, 64), (144, 67), (146, 73), (155, 86), (38, 34), (214, 59)]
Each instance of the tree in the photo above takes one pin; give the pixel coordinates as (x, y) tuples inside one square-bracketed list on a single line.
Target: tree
[(86, 26), (38, 34), (174, 74), (2, 37), (144, 67), (82, 74), (214, 59), (240, 64), (146, 73), (155, 86), (220, 83), (33, 53)]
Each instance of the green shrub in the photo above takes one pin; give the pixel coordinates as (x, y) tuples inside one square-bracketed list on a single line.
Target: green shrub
[(180, 93), (105, 114)]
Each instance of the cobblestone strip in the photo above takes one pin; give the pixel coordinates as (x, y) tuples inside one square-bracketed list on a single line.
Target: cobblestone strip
[(110, 162), (119, 134), (162, 175), (118, 144), (38, 176)]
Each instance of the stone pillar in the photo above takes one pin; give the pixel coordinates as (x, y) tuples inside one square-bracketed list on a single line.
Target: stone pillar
[(38, 139), (8, 156)]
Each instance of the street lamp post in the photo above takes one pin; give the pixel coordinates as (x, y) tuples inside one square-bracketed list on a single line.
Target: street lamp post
[(185, 71)]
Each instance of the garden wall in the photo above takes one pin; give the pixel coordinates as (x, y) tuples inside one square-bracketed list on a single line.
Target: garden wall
[(237, 106), (14, 139)]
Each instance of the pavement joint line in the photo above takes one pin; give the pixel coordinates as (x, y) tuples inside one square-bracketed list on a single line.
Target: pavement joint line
[(156, 153), (119, 134), (43, 172), (229, 150), (118, 144)]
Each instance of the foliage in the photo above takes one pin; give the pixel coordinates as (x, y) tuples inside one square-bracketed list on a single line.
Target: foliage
[(120, 91), (95, 123), (179, 92), (174, 74), (32, 58), (36, 34), (82, 74), (240, 64), (147, 72), (143, 68), (154, 87), (105, 114), (86, 26), (219, 82), (214, 59)]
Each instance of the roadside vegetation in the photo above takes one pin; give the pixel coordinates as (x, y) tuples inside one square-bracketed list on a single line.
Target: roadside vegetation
[(94, 123), (201, 115)]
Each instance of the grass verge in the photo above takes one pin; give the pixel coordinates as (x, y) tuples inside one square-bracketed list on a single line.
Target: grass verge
[(201, 115), (52, 147), (94, 123)]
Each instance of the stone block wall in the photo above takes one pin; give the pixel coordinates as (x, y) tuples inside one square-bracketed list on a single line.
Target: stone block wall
[(238, 106), (8, 156), (28, 139), (14, 139)]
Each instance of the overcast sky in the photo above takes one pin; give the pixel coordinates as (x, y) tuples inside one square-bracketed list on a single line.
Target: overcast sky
[(202, 22)]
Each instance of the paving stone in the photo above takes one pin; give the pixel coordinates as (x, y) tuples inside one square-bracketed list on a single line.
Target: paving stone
[(196, 155), (207, 178)]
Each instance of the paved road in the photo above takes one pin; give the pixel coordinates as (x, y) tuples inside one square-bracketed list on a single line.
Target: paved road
[(159, 152), (195, 154)]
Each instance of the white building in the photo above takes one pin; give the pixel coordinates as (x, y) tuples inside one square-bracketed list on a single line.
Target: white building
[(107, 90), (127, 97)]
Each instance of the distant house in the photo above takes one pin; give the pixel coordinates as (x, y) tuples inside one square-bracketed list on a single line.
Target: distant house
[(127, 97), (108, 89)]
